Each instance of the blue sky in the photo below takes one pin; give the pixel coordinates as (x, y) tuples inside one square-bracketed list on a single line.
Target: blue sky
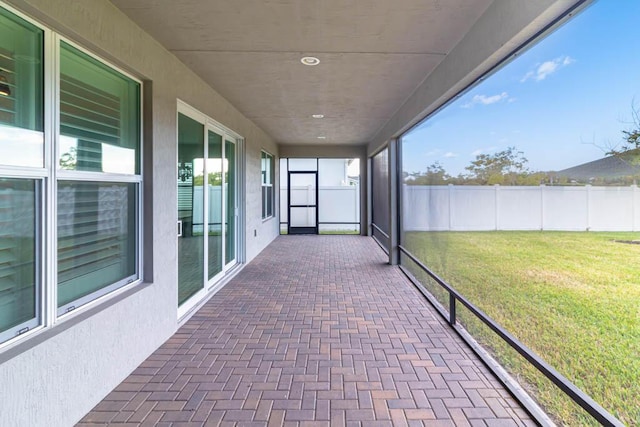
[(560, 102)]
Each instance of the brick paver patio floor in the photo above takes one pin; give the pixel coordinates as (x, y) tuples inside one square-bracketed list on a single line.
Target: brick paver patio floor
[(316, 331)]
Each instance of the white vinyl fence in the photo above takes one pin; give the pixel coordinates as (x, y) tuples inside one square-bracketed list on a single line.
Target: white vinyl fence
[(337, 204), (215, 208), (477, 208)]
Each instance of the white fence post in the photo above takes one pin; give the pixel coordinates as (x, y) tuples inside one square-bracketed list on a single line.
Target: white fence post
[(634, 207), (497, 205), (450, 207), (542, 188), (588, 207)]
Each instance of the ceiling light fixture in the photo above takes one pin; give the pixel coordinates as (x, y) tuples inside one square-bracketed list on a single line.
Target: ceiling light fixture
[(310, 60), (322, 137), (318, 116), (5, 90)]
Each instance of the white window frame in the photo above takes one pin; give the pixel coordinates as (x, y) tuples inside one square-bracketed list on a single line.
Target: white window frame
[(79, 176), (48, 314), (271, 158)]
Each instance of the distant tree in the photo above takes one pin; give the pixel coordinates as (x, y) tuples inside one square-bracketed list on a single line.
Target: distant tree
[(434, 175), (505, 167), (629, 150), (69, 159)]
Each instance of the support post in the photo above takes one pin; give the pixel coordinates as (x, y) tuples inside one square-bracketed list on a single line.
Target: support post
[(452, 309), (394, 200)]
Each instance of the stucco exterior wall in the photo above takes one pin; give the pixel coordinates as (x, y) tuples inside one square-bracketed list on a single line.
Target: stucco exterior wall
[(55, 378)]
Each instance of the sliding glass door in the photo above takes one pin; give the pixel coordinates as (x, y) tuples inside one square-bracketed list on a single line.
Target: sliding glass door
[(215, 192), (231, 224), (207, 205), (190, 208)]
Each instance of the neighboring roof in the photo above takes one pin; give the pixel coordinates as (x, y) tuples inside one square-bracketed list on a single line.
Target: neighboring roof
[(607, 167)]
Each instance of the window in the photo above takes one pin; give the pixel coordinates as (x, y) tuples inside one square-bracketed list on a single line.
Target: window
[(21, 92), (19, 279), (21, 173), (267, 185), (99, 138), (99, 116), (81, 208)]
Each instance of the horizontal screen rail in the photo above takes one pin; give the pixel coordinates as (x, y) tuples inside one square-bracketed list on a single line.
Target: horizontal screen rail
[(380, 230), (329, 223), (337, 223), (567, 387)]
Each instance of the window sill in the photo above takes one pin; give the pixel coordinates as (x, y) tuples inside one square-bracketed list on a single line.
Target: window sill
[(45, 333), (268, 218)]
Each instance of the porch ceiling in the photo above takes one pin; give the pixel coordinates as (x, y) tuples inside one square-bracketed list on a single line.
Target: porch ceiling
[(373, 53)]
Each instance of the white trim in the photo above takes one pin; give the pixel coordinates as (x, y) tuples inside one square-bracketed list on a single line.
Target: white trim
[(7, 172), (94, 296), (191, 302), (9, 335), (184, 315), (96, 299), (50, 285), (103, 61), (189, 111), (205, 206), (66, 175)]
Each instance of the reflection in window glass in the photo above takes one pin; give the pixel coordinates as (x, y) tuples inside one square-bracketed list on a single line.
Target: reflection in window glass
[(21, 92), (522, 194), (190, 207), (18, 254), (97, 237), (99, 116)]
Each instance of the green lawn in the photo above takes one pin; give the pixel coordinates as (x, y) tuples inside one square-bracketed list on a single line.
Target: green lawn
[(335, 232), (573, 297)]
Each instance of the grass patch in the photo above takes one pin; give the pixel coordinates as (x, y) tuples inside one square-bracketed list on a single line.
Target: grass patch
[(574, 298), (340, 232), (337, 232)]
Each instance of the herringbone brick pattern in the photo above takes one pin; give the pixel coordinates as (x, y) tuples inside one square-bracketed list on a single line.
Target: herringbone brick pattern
[(316, 331)]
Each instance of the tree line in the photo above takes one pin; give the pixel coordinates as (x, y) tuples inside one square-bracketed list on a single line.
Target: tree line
[(510, 167)]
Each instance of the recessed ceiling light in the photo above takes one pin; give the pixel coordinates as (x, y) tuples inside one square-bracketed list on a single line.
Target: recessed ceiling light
[(318, 116), (322, 137), (310, 60)]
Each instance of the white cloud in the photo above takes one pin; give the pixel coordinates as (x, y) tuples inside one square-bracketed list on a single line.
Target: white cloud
[(547, 68), (437, 152), (483, 150), (486, 100)]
